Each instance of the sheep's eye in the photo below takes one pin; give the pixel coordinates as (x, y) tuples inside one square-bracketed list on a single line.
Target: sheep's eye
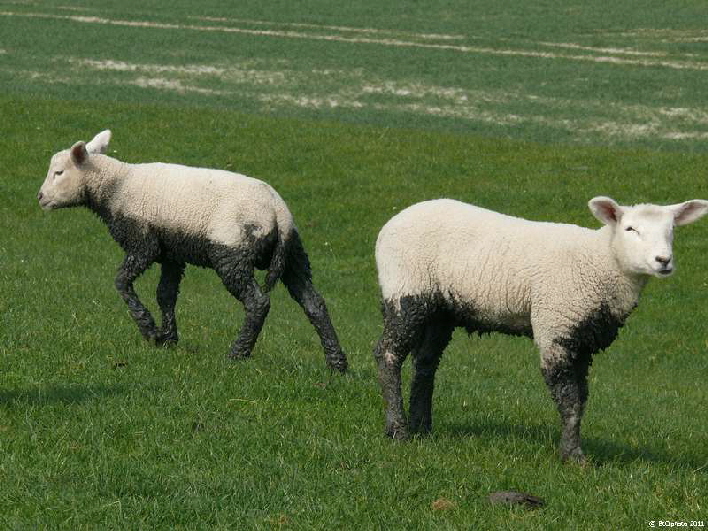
[(630, 228), (58, 173)]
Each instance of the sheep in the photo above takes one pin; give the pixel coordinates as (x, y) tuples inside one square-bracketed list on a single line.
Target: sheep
[(174, 215), (444, 264)]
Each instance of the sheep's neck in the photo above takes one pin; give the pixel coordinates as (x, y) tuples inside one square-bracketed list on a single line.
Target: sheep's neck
[(626, 286), (103, 178)]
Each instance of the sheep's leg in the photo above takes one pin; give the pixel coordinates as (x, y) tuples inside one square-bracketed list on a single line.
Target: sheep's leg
[(389, 360), (402, 332), (131, 268), (298, 280), (167, 291), (241, 284), (426, 359), (566, 377), (304, 293)]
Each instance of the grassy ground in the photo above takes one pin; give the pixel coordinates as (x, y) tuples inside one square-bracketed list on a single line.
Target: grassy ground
[(581, 74), (99, 430)]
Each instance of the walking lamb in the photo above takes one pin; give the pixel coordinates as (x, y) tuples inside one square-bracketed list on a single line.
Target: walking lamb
[(173, 215)]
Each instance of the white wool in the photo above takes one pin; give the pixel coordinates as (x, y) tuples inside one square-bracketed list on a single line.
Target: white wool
[(514, 272), (212, 204)]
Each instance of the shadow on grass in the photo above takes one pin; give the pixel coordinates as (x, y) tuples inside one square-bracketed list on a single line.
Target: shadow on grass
[(600, 451), (59, 394), (603, 452)]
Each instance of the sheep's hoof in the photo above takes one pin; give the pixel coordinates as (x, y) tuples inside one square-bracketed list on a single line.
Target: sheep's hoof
[(421, 430), (165, 340), (574, 456), (398, 433), (340, 365), (335, 359)]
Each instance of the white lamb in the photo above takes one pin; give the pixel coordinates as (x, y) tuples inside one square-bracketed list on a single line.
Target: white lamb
[(444, 264), (175, 215)]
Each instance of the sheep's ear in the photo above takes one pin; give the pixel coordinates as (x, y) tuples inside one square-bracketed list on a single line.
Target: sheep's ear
[(606, 210), (99, 144), (79, 153), (689, 211)]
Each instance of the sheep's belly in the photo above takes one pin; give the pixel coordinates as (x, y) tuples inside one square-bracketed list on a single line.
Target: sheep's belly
[(515, 325), (135, 236)]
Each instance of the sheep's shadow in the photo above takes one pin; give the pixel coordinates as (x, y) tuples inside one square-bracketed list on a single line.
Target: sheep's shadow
[(600, 451), (44, 395)]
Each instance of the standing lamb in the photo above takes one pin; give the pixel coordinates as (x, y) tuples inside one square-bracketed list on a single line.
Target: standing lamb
[(444, 264), (175, 215)]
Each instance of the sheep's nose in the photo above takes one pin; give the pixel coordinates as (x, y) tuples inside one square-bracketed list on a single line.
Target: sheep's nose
[(40, 195), (664, 260)]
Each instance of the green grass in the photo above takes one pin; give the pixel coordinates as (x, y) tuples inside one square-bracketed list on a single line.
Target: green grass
[(581, 74), (100, 430)]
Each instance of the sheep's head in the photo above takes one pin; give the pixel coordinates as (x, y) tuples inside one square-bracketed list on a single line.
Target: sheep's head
[(643, 234), (65, 184)]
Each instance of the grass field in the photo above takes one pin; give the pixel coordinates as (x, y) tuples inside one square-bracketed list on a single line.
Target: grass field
[(351, 112)]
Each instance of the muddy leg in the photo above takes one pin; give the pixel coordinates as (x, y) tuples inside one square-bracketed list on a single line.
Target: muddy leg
[(298, 280), (389, 360), (403, 330), (426, 359), (237, 276), (167, 291), (132, 267), (567, 380)]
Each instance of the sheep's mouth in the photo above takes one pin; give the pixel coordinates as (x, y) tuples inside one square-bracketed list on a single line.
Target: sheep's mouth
[(47, 205), (665, 272)]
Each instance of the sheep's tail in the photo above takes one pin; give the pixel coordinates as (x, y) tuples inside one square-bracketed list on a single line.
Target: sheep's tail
[(277, 263), (280, 254)]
